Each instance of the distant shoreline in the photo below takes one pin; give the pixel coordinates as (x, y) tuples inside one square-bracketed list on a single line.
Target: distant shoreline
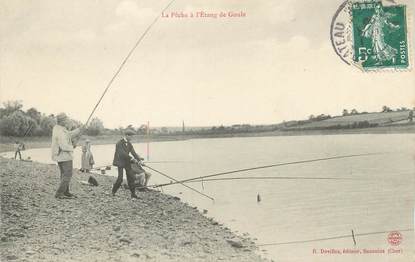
[(6, 143)]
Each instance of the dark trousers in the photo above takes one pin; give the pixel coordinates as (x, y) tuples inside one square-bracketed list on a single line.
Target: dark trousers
[(130, 180), (20, 154), (65, 169)]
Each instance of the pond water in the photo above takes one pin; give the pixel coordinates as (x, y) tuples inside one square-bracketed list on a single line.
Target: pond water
[(378, 195)]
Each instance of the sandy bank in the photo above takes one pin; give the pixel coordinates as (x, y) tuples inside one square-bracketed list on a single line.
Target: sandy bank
[(98, 227)]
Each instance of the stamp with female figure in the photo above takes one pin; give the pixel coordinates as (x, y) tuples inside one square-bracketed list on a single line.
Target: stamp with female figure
[(371, 35), (380, 35)]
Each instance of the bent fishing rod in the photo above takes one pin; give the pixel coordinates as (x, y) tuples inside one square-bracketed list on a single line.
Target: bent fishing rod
[(267, 166), (125, 61)]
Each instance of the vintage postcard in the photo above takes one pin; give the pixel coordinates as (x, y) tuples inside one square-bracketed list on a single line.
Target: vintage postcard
[(222, 130)]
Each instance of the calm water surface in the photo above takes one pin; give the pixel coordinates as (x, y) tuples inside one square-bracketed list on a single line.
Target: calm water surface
[(378, 195)]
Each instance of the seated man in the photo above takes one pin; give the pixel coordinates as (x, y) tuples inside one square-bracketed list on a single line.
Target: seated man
[(141, 177)]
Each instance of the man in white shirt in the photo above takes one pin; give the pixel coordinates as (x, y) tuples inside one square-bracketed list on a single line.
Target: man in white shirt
[(62, 152)]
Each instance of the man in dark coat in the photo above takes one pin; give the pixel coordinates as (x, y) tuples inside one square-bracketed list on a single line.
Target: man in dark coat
[(122, 160)]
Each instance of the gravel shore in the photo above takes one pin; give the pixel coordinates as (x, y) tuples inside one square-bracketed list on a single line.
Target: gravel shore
[(99, 227)]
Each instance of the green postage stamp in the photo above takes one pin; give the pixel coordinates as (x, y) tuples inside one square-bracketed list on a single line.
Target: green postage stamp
[(380, 35), (372, 35)]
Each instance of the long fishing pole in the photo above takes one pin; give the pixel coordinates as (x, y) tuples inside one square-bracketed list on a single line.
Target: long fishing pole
[(267, 166), (125, 61), (263, 178), (163, 174), (270, 178), (177, 181), (145, 162)]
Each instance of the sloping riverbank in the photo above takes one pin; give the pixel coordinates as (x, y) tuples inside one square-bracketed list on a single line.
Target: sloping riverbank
[(98, 227)]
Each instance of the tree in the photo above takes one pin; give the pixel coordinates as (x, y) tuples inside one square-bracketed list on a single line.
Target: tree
[(345, 112), (10, 107), (354, 112), (95, 127), (322, 117), (33, 113), (46, 125), (386, 109), (311, 117), (71, 124), (164, 130), (17, 124), (142, 130)]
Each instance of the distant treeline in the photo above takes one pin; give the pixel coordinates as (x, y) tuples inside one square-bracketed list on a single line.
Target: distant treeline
[(14, 121)]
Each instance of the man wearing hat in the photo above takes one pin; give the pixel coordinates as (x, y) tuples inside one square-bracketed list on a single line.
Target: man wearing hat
[(63, 143), (122, 160)]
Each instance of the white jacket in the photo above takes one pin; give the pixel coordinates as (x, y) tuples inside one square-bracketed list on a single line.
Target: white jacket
[(62, 147)]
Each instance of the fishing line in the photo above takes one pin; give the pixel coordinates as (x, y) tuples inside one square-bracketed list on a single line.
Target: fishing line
[(268, 166), (268, 177), (125, 61), (330, 238)]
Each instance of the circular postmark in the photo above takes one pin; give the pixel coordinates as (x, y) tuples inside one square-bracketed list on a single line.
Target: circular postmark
[(341, 33), (395, 238)]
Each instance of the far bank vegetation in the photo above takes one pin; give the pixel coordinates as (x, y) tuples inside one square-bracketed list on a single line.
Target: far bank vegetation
[(17, 122)]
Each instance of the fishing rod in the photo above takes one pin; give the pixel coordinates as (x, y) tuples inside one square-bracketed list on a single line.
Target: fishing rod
[(178, 182), (263, 178), (145, 162), (161, 173), (268, 166), (164, 162), (28, 130), (125, 61), (25, 134), (270, 178)]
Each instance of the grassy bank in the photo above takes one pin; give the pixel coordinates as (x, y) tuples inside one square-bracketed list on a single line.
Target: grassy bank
[(98, 227)]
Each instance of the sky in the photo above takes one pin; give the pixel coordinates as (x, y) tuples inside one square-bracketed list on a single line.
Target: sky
[(274, 64)]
